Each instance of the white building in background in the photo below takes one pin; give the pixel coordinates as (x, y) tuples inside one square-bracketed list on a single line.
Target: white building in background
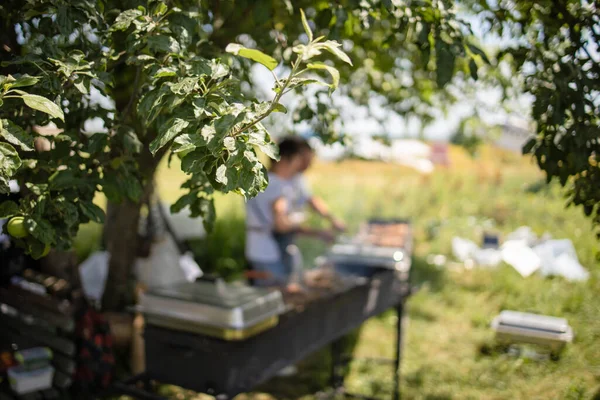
[(408, 152), (514, 135)]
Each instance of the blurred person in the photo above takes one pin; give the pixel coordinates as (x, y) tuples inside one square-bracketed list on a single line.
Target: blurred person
[(275, 217), (317, 204)]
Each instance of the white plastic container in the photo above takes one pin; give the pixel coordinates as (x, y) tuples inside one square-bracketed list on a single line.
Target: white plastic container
[(514, 326), (23, 381)]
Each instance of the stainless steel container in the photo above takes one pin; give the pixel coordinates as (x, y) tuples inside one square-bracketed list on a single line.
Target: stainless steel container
[(213, 304), (369, 256), (514, 326)]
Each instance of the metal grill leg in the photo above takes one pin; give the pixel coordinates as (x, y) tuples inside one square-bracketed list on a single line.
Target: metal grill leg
[(398, 355), (337, 379)]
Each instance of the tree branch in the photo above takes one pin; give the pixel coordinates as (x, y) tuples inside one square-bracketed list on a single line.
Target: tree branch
[(274, 102)]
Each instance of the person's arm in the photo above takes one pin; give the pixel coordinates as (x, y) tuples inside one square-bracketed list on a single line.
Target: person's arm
[(321, 208), (283, 224)]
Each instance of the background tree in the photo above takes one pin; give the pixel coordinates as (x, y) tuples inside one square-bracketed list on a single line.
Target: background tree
[(174, 86), (553, 52)]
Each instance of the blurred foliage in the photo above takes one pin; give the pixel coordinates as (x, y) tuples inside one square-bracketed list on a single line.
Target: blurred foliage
[(553, 52)]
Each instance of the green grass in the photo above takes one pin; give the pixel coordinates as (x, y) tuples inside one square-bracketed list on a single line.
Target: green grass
[(449, 350)]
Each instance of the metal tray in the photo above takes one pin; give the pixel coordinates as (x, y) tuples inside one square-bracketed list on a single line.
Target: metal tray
[(514, 326), (214, 304), (217, 332), (369, 256)]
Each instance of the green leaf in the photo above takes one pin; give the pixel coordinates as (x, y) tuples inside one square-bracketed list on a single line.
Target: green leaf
[(8, 209), (133, 187), (229, 143), (168, 131), (334, 48), (280, 108), (125, 19), (224, 124), (160, 9), (35, 248), (165, 71), (444, 63), (150, 104), (183, 144), (473, 69), (295, 82), (185, 86), (306, 26), (43, 104), (252, 54), (92, 211), (529, 146), (15, 135), (40, 229), (131, 142), (37, 189), (261, 139), (193, 163), (97, 143), (335, 74), (162, 43), (23, 81), (61, 180), (183, 202), (80, 84), (222, 174), (4, 186), (9, 160), (206, 209), (476, 50)]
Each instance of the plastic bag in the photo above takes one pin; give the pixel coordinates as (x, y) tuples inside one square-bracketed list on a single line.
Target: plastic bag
[(463, 249), (522, 258), (93, 272), (524, 234), (190, 267), (163, 266), (569, 268), (487, 257), (558, 257)]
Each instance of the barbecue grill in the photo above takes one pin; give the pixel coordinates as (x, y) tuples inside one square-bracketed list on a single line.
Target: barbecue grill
[(323, 314)]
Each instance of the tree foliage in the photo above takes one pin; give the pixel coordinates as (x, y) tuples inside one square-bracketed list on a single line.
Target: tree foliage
[(172, 74), (554, 52)]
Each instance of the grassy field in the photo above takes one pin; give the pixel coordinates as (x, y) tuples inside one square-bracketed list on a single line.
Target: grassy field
[(449, 351)]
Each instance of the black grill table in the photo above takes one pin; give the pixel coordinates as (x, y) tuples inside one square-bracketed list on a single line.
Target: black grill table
[(226, 368)]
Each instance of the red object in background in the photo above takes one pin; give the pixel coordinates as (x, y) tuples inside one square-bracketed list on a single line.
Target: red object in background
[(6, 361), (96, 361), (439, 154)]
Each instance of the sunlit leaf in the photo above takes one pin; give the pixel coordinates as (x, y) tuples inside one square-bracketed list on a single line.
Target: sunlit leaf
[(9, 160), (44, 105), (306, 26), (15, 135), (169, 130), (252, 54), (24, 80), (335, 74), (334, 48), (125, 19), (162, 43), (222, 174)]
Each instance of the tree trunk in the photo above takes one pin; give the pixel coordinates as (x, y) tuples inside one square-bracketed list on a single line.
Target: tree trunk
[(122, 241), (121, 238)]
